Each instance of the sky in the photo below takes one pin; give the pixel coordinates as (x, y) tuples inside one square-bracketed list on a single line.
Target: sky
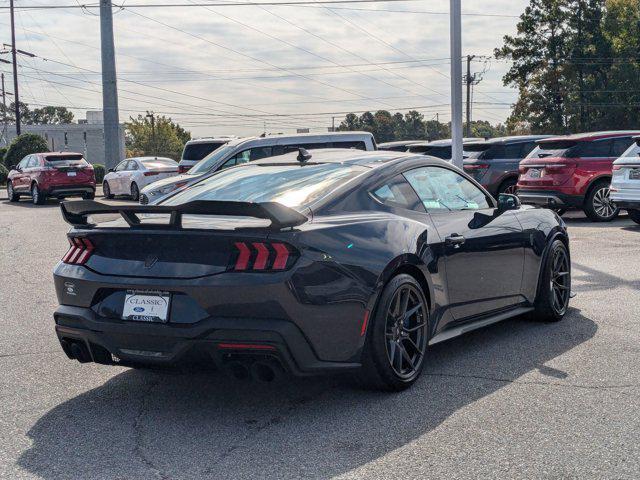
[(242, 70)]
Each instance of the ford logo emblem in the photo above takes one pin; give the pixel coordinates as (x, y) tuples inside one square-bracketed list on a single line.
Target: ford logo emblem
[(138, 309)]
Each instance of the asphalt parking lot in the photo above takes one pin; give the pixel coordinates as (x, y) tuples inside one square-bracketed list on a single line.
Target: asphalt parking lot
[(515, 400)]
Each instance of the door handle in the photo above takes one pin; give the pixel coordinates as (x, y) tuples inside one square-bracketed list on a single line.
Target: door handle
[(455, 240)]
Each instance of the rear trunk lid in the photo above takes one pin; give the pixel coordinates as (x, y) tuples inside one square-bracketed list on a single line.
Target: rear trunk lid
[(65, 169)]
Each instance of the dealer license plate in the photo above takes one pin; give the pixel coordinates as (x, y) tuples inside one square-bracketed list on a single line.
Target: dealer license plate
[(534, 173), (634, 174), (71, 174), (146, 306)]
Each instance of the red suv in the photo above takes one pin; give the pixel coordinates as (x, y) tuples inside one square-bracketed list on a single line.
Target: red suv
[(574, 171), (59, 174)]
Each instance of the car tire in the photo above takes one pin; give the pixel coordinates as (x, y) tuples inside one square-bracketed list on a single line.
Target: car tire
[(597, 205), (510, 186), (106, 190), (554, 290), (11, 193), (560, 211), (37, 196), (135, 192), (634, 215), (89, 196), (393, 343)]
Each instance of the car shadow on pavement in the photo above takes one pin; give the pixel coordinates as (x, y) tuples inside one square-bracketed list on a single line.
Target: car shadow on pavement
[(50, 203), (158, 425)]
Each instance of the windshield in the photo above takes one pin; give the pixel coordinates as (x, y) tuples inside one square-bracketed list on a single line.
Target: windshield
[(159, 163), (65, 160), (552, 149), (208, 162), (291, 185), (197, 151)]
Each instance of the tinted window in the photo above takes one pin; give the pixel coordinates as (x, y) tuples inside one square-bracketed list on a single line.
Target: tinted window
[(397, 193), (197, 151), (527, 148), (290, 185), (596, 149), (443, 152), (552, 149), (249, 155), (441, 189), (620, 146), (64, 158), (211, 160)]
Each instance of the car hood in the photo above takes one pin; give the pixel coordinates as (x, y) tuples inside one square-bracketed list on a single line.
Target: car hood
[(169, 181)]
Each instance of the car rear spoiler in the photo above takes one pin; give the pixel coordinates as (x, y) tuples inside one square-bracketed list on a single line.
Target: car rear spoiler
[(637, 139), (76, 213)]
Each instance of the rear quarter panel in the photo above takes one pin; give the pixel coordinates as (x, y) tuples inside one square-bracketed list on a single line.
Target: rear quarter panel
[(346, 262)]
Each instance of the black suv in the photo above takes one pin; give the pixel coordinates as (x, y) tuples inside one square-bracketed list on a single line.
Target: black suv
[(494, 162)]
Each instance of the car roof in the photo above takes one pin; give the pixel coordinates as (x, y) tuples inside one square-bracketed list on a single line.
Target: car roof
[(298, 136), (221, 138), (515, 139), (59, 154), (399, 143), (372, 158), (445, 142), (150, 158), (591, 136)]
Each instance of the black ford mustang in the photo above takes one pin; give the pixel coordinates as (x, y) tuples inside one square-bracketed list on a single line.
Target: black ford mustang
[(307, 263)]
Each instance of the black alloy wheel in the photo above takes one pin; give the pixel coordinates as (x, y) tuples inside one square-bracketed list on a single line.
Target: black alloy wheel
[(405, 332), (560, 281), (396, 343)]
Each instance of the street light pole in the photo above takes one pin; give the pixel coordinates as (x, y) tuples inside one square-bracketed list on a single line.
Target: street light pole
[(151, 115), (16, 97), (455, 29)]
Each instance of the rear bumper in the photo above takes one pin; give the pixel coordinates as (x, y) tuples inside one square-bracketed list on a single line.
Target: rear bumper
[(551, 199), (118, 342), (625, 198), (69, 190)]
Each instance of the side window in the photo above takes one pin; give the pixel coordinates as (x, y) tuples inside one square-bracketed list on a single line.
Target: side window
[(596, 149), (441, 189), (620, 146), (238, 159), (121, 166), (257, 153), (33, 161), (527, 148), (132, 165), (513, 150), (398, 193)]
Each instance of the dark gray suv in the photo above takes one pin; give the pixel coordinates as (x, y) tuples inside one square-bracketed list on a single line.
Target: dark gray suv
[(494, 162)]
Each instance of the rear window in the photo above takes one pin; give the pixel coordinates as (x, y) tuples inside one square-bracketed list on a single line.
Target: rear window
[(632, 151), (291, 185), (62, 160), (552, 149), (197, 151), (159, 163), (443, 152)]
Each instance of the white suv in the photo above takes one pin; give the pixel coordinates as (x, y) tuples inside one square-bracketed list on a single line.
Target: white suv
[(625, 182), (243, 150), (198, 148)]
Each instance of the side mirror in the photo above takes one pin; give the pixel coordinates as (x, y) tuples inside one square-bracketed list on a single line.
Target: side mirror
[(507, 201), (111, 170)]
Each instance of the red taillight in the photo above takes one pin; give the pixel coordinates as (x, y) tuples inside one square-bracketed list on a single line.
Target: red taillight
[(245, 346), (617, 167), (261, 256), (79, 251), (149, 174), (182, 169)]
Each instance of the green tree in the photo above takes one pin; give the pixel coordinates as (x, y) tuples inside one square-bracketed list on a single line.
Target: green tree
[(48, 115), (538, 52), (24, 145), (169, 137)]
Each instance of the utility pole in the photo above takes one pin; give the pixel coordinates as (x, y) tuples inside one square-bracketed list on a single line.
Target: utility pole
[(469, 80), (109, 87), (3, 137), (16, 97), (455, 34), (152, 116)]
